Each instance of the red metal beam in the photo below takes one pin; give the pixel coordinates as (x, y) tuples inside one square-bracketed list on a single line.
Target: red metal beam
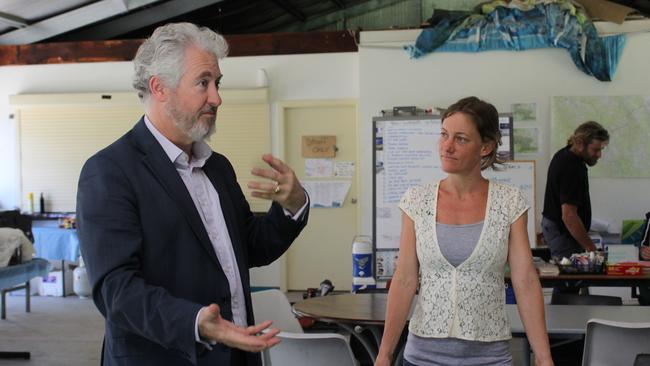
[(124, 50)]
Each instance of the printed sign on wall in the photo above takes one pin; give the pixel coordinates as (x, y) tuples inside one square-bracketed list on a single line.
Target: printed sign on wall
[(318, 146)]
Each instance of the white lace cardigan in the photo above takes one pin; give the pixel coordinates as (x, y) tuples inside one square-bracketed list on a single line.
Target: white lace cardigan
[(468, 301)]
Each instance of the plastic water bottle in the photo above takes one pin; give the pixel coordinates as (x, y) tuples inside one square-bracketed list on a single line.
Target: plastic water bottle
[(362, 274), (80, 283)]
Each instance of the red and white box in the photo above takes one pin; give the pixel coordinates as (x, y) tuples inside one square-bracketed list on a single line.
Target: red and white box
[(625, 269)]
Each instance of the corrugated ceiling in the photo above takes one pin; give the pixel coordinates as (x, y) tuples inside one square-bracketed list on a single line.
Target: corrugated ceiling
[(38, 21)]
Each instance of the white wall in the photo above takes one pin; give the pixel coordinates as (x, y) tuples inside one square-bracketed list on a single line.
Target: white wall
[(387, 78), (292, 77), (380, 78), (78, 78)]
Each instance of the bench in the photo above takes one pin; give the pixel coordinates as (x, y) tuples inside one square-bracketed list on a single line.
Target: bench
[(16, 277)]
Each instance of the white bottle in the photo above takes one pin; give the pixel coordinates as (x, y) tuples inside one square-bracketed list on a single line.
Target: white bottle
[(80, 283), (362, 263)]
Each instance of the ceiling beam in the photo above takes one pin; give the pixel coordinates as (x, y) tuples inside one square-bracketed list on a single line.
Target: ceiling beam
[(339, 3), (140, 19), (12, 20), (291, 9), (333, 17), (268, 26), (239, 45), (71, 20)]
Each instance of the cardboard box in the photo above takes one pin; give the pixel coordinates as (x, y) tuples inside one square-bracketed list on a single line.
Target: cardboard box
[(645, 267), (34, 288), (52, 284), (624, 269)]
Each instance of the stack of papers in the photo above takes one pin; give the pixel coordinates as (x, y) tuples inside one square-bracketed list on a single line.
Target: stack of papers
[(546, 269)]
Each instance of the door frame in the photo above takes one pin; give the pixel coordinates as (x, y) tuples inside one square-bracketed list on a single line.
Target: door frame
[(282, 106)]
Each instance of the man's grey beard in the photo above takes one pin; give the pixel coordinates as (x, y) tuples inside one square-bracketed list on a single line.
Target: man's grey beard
[(197, 131), (190, 125)]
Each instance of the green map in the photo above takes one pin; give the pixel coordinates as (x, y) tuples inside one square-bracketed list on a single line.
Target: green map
[(627, 118)]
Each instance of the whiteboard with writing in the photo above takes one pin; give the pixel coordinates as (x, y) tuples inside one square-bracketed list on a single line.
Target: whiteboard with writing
[(405, 155)]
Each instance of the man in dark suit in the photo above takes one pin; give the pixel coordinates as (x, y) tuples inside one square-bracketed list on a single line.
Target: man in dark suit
[(165, 230)]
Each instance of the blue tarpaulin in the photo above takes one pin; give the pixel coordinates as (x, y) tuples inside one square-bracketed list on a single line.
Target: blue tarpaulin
[(525, 25)]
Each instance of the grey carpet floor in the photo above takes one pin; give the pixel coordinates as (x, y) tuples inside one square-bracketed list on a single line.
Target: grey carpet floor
[(66, 332), (58, 331)]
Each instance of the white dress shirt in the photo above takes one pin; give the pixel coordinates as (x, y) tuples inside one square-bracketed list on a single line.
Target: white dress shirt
[(206, 200)]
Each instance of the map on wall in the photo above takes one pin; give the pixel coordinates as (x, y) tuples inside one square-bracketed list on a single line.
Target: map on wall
[(627, 118)]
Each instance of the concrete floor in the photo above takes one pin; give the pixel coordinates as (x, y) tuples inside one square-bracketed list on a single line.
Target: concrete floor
[(59, 331), (69, 331)]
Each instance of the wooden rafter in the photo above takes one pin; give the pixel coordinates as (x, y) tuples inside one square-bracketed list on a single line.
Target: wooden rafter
[(124, 50)]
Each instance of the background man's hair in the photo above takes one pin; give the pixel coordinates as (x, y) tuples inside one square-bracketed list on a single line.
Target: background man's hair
[(587, 132)]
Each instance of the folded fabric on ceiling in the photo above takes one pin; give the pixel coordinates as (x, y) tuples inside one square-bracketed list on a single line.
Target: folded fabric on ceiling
[(519, 26)]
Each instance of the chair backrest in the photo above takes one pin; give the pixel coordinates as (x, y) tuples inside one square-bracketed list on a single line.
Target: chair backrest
[(575, 299), (314, 349), (615, 343), (274, 305)]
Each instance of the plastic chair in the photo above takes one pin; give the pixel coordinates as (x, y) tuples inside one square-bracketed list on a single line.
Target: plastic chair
[(314, 349), (614, 343), (296, 347), (273, 305)]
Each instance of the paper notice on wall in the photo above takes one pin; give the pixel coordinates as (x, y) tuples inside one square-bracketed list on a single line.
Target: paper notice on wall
[(344, 169), (326, 194), (318, 167), (318, 146)]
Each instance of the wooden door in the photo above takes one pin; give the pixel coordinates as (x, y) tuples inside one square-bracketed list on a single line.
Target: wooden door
[(323, 249)]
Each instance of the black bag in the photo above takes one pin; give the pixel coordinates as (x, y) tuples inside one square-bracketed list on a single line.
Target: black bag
[(14, 219)]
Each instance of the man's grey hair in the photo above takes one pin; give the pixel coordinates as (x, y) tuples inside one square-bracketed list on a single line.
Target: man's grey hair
[(163, 54)]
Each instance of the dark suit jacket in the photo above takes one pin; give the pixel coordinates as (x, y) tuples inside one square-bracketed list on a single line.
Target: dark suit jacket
[(149, 258)]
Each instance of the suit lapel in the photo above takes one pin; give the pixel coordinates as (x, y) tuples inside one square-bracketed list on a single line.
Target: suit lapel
[(163, 169)]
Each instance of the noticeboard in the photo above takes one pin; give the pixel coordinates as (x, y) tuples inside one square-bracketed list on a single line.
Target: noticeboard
[(405, 155)]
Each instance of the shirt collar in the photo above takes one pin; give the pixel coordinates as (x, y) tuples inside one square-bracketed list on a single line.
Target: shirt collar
[(201, 151)]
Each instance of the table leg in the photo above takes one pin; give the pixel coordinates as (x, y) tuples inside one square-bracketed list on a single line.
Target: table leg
[(525, 352), (377, 332), (63, 275), (28, 297), (4, 304), (372, 352), (399, 349), (399, 358)]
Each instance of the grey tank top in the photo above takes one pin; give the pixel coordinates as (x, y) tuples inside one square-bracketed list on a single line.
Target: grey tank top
[(456, 242)]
